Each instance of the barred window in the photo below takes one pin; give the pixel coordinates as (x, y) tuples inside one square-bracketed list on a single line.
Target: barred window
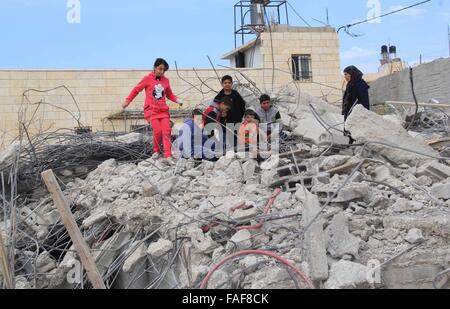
[(301, 68)]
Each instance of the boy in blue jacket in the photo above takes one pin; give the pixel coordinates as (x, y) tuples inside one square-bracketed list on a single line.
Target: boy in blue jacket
[(192, 138)]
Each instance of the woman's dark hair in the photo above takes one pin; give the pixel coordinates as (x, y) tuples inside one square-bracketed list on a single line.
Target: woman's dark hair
[(250, 112), (264, 98), (160, 61), (354, 72), (197, 112), (227, 77)]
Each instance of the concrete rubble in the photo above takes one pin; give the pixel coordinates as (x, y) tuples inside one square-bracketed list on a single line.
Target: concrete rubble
[(152, 225), (366, 126)]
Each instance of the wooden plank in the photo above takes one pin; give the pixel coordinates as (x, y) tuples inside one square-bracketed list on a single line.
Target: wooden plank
[(4, 265), (73, 230)]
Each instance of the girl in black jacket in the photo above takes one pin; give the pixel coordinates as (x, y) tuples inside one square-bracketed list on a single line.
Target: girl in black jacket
[(357, 91)]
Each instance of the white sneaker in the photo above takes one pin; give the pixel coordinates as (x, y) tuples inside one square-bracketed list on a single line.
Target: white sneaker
[(156, 156)]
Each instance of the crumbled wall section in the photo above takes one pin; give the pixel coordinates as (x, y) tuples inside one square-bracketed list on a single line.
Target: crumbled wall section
[(431, 82)]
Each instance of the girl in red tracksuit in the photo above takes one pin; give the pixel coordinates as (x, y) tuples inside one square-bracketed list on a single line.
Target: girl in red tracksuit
[(156, 111)]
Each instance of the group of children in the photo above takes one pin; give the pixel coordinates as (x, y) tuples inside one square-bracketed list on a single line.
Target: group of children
[(227, 114)]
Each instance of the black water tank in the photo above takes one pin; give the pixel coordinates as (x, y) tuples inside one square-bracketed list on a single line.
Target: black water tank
[(393, 50), (384, 49)]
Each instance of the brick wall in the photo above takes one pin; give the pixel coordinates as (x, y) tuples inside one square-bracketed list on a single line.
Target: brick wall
[(99, 93)]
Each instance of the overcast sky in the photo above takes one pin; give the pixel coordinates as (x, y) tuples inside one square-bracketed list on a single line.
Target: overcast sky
[(36, 34)]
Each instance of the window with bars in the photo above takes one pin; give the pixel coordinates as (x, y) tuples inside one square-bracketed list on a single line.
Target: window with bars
[(301, 68)]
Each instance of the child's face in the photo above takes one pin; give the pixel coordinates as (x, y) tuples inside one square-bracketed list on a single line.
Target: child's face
[(198, 120), (224, 108), (227, 85), (265, 105), (160, 70), (249, 118)]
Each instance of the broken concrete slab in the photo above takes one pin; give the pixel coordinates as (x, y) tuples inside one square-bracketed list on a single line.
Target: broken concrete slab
[(202, 242), (366, 126), (441, 191), (425, 181), (129, 138), (349, 193), (340, 241), (267, 177), (269, 277), (404, 205), (139, 253), (249, 168), (110, 250), (242, 240), (314, 238), (96, 217), (271, 163), (192, 173), (310, 129), (149, 190), (381, 173), (348, 275), (235, 171), (159, 248), (45, 263), (414, 236), (333, 161), (242, 215), (437, 223), (166, 186), (435, 170), (34, 221)]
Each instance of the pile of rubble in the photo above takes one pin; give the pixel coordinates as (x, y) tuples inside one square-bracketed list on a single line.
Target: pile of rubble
[(372, 215)]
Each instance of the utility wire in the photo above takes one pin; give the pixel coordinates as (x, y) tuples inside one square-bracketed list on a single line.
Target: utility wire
[(296, 13), (347, 27)]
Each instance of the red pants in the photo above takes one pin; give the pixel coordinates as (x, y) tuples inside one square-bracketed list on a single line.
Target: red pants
[(162, 136)]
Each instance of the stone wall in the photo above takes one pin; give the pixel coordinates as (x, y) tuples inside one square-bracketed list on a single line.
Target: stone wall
[(431, 81)]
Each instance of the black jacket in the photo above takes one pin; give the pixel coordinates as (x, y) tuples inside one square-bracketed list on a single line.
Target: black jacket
[(238, 110), (357, 92)]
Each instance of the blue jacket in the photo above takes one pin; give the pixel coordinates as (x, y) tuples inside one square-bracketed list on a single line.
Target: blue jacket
[(191, 146)]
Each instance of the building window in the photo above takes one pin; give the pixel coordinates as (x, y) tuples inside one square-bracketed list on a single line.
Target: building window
[(240, 60), (301, 67)]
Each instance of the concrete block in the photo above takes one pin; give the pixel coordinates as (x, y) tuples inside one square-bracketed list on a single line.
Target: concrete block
[(160, 248), (340, 241), (348, 275), (441, 191), (367, 126), (435, 170), (242, 240), (314, 239)]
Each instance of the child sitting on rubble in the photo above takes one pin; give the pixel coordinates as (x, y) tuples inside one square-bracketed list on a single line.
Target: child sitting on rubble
[(269, 117), (218, 111), (248, 134), (192, 138)]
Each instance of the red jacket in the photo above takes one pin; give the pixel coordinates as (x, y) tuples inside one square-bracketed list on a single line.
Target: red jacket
[(209, 116), (156, 91)]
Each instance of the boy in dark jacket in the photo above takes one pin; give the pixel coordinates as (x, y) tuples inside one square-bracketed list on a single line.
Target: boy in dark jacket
[(238, 104)]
